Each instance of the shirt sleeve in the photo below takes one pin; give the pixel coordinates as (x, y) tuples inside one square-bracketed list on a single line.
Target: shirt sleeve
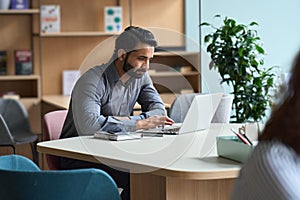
[(115, 125), (150, 101)]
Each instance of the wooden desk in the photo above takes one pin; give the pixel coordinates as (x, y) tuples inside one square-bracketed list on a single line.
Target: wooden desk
[(170, 167)]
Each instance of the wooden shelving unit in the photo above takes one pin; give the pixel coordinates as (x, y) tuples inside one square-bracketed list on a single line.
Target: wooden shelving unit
[(78, 34), (26, 86), (82, 30), (176, 72), (16, 34), (21, 12)]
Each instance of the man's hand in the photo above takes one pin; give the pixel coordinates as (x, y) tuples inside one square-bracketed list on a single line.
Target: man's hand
[(153, 122)]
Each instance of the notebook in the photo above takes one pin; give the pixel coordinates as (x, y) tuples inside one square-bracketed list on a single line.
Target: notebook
[(118, 136), (198, 117)]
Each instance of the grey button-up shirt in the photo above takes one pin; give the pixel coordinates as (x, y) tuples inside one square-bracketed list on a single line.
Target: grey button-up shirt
[(99, 95)]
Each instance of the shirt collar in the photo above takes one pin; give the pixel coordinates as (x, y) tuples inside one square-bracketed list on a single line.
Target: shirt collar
[(112, 73)]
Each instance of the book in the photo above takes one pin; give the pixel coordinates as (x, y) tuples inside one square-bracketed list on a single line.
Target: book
[(23, 62), (118, 136), (3, 62), (4, 4), (19, 4), (50, 18), (113, 18)]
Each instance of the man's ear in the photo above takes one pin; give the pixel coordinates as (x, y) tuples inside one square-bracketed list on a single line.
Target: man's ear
[(121, 54)]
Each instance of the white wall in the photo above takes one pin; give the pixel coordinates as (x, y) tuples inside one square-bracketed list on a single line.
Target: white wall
[(279, 29)]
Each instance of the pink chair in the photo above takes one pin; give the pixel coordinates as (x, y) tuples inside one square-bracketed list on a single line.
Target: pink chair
[(53, 124)]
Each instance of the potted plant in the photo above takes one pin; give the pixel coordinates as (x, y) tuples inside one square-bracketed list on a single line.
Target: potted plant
[(237, 54)]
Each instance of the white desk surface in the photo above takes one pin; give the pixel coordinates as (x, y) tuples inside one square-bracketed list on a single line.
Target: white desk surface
[(190, 156)]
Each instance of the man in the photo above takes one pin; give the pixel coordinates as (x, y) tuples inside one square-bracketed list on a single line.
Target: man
[(103, 98)]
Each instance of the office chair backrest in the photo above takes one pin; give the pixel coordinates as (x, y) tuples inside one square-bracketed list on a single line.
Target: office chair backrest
[(17, 162), (15, 115), (15, 126), (53, 124), (21, 182), (5, 135), (180, 106)]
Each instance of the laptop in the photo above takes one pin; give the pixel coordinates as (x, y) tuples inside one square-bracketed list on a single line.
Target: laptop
[(198, 117)]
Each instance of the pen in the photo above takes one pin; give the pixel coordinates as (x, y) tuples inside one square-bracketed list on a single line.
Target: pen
[(241, 137), (241, 130)]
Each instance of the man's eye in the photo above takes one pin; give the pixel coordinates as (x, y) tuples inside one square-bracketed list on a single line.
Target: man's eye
[(142, 58)]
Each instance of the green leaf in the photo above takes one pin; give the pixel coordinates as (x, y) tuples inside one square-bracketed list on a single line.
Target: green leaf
[(253, 24), (205, 24), (259, 49)]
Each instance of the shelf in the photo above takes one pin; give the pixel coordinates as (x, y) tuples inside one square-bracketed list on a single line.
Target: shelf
[(21, 12), (158, 74), (27, 86), (78, 34), (19, 77), (175, 53)]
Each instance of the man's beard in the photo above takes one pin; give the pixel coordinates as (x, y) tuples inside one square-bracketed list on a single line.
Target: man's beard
[(129, 69)]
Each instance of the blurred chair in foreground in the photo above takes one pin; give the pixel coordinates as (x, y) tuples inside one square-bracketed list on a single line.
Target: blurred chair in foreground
[(22, 179)]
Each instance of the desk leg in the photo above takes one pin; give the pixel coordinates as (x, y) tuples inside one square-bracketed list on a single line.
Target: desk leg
[(198, 189), (149, 187)]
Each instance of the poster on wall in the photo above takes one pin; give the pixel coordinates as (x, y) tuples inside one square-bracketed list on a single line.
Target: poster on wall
[(69, 79), (50, 18), (112, 18)]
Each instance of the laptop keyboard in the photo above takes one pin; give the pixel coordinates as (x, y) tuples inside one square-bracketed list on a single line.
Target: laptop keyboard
[(170, 131), (166, 131)]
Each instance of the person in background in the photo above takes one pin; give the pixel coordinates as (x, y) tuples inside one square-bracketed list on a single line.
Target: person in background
[(104, 97), (273, 169)]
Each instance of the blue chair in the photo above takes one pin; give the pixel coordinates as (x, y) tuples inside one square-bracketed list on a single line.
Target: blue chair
[(20, 178)]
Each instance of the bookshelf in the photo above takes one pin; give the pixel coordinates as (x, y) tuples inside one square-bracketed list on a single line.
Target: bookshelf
[(82, 30), (78, 34), (16, 34), (21, 12), (176, 73)]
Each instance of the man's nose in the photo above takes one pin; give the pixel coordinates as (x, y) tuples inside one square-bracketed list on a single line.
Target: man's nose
[(146, 64)]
